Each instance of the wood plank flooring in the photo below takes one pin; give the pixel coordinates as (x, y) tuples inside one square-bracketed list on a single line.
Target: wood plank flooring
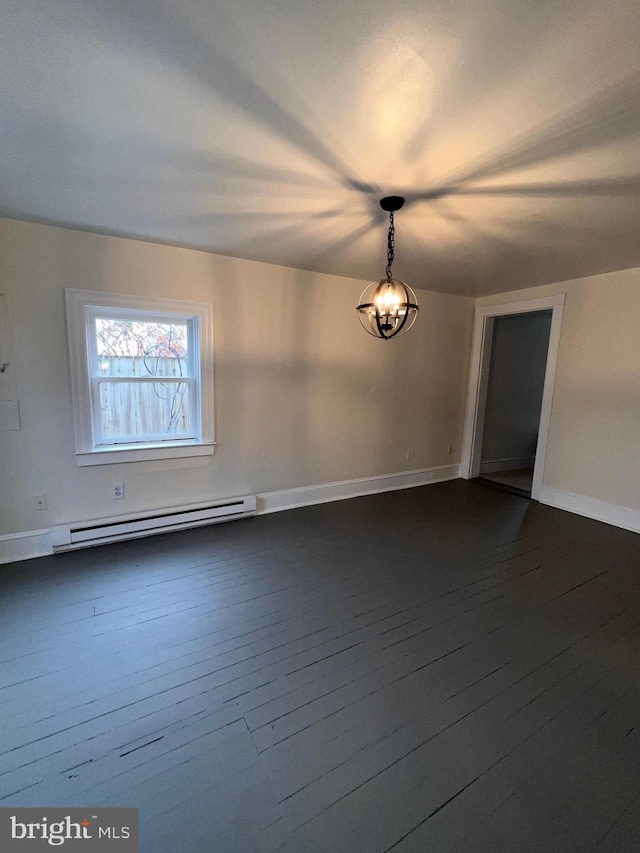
[(448, 668), (519, 478)]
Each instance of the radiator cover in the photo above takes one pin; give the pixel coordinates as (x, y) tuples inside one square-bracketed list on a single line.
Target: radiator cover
[(102, 531)]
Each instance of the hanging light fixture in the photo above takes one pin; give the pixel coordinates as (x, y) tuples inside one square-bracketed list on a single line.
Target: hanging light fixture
[(388, 307)]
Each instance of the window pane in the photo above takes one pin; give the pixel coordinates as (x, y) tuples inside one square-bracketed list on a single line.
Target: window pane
[(134, 410), (141, 348)]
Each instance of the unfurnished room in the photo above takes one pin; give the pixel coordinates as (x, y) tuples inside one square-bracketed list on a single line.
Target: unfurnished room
[(320, 426)]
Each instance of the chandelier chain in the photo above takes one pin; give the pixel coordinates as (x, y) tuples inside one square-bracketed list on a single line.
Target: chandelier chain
[(391, 244)]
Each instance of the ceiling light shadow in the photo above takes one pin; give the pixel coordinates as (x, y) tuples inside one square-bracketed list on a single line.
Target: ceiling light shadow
[(170, 37), (483, 70), (346, 241), (608, 116), (626, 186)]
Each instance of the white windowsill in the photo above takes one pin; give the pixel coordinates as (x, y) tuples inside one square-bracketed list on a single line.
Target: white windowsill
[(143, 452)]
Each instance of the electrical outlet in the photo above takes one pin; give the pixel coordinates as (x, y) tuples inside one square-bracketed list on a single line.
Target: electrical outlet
[(409, 453), (39, 502), (117, 491)]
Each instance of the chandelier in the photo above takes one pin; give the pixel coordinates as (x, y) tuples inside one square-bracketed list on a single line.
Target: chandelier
[(388, 307)]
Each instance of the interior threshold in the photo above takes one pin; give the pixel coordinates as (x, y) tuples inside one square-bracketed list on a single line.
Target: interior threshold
[(515, 482)]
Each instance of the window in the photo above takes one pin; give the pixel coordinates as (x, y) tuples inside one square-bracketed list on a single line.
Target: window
[(141, 371)]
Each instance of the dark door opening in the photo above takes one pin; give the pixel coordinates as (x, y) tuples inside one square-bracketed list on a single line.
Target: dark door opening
[(519, 348)]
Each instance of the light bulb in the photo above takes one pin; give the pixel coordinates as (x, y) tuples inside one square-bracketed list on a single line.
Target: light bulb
[(388, 301)]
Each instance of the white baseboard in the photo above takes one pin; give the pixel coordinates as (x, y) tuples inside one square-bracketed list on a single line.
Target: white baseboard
[(308, 495), (619, 516), (510, 464), (37, 543), (24, 546)]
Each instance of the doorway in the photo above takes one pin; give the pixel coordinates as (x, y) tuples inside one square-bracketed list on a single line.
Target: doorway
[(517, 364), (514, 357)]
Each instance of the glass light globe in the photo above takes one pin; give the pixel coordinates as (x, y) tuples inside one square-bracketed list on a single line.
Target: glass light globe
[(387, 308)]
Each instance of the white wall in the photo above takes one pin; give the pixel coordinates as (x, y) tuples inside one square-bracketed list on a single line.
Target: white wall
[(303, 394), (514, 393), (593, 450)]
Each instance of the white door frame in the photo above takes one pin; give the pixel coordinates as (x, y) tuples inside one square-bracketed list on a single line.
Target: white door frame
[(479, 378)]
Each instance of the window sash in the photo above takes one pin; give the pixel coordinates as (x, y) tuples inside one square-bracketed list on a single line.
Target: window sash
[(147, 438), (97, 378), (81, 305), (162, 380)]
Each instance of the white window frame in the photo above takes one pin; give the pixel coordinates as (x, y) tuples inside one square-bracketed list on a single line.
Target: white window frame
[(82, 308)]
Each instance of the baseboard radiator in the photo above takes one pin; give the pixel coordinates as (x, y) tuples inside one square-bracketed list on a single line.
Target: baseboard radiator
[(89, 533)]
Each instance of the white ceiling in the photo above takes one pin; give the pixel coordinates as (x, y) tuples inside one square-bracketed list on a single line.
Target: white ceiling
[(270, 130)]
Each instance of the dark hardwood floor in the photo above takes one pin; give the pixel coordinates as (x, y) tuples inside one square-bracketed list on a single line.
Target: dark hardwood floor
[(517, 482), (448, 668)]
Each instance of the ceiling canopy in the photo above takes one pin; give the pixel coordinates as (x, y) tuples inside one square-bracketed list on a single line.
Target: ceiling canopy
[(270, 131)]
